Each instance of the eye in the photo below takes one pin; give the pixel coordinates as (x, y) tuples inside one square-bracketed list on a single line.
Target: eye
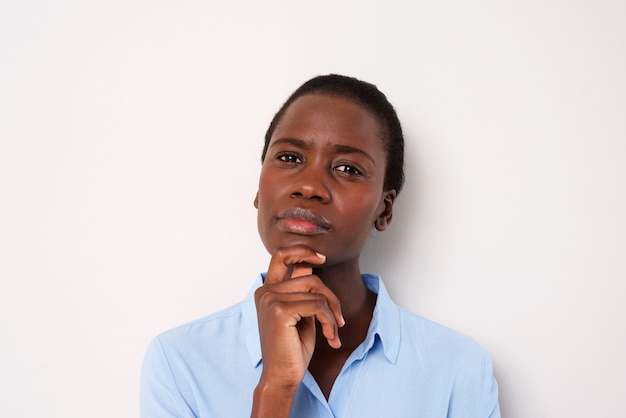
[(349, 169), (289, 158)]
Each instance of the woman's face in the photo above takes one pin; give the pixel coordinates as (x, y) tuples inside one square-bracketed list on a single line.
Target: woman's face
[(321, 182)]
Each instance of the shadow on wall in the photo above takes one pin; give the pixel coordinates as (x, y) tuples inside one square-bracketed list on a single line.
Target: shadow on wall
[(386, 250)]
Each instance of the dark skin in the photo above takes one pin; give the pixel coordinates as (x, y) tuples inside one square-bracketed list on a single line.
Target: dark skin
[(320, 194), (327, 362)]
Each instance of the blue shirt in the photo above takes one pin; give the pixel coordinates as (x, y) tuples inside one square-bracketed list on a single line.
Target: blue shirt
[(406, 367)]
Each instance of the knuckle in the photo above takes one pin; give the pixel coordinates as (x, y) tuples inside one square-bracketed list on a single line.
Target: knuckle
[(272, 305), (277, 310), (314, 284), (264, 298), (313, 281), (320, 301), (260, 293)]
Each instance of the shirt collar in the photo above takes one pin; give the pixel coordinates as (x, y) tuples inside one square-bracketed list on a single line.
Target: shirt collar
[(251, 325), (385, 323)]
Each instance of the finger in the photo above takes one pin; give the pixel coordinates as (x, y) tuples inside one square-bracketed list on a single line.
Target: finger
[(329, 329), (283, 262), (311, 284), (293, 307), (300, 270)]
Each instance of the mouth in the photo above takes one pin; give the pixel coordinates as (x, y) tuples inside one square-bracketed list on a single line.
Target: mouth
[(302, 221)]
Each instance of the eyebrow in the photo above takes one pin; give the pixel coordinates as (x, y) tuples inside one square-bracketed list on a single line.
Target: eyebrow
[(342, 149)]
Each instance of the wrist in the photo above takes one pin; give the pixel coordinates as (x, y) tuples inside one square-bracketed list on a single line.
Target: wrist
[(273, 400)]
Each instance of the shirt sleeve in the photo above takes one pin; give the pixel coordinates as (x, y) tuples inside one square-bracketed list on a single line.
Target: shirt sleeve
[(475, 392), (159, 394), (490, 391)]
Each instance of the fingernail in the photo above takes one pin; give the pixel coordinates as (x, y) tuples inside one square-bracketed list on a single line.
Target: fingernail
[(322, 256), (343, 321)]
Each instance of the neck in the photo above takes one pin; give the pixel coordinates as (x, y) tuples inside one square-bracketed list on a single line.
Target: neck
[(357, 307), (345, 281)]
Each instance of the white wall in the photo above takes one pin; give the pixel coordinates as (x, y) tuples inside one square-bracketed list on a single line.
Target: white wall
[(130, 134)]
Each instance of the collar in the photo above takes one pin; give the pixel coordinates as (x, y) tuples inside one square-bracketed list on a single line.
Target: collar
[(385, 325)]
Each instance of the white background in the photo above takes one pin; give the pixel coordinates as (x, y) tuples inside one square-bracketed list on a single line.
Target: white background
[(130, 135)]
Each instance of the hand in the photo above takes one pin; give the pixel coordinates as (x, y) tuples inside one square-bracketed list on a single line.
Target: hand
[(288, 303)]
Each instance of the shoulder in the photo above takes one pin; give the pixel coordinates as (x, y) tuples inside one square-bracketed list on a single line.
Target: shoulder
[(439, 344), (455, 364), (225, 324), (230, 333), (453, 368), (431, 331), (196, 366), (421, 337), (212, 339)]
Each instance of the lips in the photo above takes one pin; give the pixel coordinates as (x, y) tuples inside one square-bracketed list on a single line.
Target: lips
[(302, 221)]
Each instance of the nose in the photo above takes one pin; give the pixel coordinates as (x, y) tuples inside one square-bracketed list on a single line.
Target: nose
[(312, 182)]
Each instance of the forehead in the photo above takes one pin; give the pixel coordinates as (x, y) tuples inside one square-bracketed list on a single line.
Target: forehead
[(319, 117)]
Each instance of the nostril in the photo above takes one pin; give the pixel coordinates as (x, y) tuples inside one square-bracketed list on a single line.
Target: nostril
[(312, 196), (312, 188)]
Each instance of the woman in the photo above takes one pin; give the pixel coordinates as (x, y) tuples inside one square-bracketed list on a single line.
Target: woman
[(315, 337)]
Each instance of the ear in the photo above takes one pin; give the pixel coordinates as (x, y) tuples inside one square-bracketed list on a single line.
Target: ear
[(256, 200), (386, 210)]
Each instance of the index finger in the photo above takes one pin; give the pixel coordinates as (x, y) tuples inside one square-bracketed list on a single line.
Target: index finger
[(285, 263), (300, 270)]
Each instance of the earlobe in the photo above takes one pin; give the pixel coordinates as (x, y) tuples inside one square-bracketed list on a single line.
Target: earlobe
[(256, 200), (384, 217)]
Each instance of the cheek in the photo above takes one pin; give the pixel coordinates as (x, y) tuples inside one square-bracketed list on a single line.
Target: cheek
[(265, 190), (360, 220)]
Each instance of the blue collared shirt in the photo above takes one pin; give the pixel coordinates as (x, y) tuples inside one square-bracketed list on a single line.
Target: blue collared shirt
[(406, 367)]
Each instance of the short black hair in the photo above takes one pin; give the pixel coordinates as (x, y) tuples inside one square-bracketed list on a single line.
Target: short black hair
[(364, 94)]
